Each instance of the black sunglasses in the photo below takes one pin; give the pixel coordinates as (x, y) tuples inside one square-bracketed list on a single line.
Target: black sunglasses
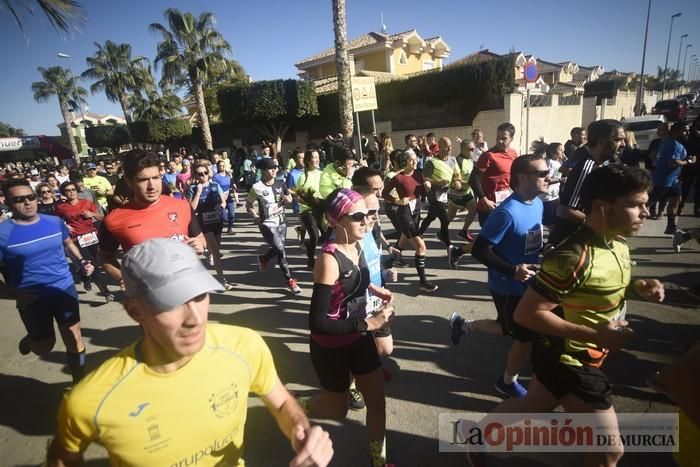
[(540, 173), (199, 174), (358, 216), (22, 199), (43, 192)]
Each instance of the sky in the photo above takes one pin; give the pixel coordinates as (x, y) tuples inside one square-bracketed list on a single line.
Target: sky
[(269, 36)]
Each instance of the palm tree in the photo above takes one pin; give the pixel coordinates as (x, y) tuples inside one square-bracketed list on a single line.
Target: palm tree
[(7, 130), (62, 14), (117, 74), (155, 106), (60, 82), (191, 51), (342, 65)]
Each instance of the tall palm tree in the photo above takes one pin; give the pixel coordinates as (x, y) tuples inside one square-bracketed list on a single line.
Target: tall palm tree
[(62, 14), (191, 51), (61, 83), (117, 74), (342, 65), (155, 106)]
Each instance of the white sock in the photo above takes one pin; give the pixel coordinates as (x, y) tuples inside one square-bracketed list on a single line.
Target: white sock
[(467, 325), (508, 379)]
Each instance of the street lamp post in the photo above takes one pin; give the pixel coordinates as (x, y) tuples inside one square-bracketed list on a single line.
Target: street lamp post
[(75, 90), (685, 58), (668, 48), (680, 47), (640, 94)]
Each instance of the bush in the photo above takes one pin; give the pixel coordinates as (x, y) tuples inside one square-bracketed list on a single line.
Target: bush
[(107, 136), (160, 131)]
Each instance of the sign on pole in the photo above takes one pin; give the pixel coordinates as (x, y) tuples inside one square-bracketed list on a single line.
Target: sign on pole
[(22, 143), (364, 94), (531, 73)]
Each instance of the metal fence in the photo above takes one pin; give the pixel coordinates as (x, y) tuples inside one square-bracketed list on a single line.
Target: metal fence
[(539, 100), (569, 100)]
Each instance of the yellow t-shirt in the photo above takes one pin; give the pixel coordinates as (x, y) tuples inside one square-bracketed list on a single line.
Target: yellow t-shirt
[(100, 186), (193, 416)]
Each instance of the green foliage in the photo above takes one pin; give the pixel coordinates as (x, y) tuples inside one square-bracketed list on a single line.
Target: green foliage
[(107, 136), (267, 101), (7, 130), (160, 131)]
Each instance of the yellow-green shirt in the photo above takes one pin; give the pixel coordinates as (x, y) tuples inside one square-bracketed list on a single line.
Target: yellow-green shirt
[(309, 181), (331, 180), (193, 416), (100, 186)]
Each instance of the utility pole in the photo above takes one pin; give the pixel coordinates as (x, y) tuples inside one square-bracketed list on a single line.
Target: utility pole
[(640, 94), (668, 48)]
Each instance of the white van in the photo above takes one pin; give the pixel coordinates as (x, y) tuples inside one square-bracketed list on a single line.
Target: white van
[(644, 128)]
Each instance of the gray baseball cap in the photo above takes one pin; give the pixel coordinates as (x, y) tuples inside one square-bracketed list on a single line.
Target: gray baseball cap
[(166, 273)]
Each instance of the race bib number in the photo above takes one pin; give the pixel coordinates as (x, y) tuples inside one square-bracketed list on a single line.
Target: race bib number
[(87, 239), (211, 217), (501, 196), (272, 210), (412, 205), (533, 241), (363, 307), (442, 197)]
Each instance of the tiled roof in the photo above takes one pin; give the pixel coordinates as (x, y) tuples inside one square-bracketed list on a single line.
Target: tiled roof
[(366, 40)]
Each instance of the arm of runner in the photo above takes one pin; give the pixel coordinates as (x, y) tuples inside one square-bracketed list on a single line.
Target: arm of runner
[(59, 457), (536, 312), (573, 215), (475, 183), (312, 445), (73, 251)]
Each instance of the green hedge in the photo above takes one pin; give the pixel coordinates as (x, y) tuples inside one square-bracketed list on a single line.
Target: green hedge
[(107, 136), (160, 131)]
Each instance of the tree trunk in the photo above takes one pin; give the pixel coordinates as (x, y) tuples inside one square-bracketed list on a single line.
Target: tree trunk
[(202, 111), (127, 116), (342, 65), (70, 131)]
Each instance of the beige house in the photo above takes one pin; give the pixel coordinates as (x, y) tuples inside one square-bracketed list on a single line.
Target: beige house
[(394, 55)]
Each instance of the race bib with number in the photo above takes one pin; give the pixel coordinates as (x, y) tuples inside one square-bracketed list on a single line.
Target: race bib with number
[(363, 307), (272, 210), (87, 239), (412, 205), (533, 241), (442, 196)]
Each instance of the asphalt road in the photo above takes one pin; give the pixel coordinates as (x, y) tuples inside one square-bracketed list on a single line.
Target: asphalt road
[(429, 375)]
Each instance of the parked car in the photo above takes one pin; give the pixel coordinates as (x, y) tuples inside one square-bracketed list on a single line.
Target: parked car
[(644, 128), (691, 97), (672, 109)]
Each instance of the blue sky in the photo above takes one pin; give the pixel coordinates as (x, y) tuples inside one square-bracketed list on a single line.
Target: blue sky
[(269, 36)]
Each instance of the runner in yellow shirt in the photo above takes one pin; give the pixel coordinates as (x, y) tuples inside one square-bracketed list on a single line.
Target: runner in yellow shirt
[(178, 396), (98, 184)]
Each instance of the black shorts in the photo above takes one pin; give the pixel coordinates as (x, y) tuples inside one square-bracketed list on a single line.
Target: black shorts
[(38, 313), (663, 193), (407, 222), (333, 365), (585, 382), (505, 308), (461, 200)]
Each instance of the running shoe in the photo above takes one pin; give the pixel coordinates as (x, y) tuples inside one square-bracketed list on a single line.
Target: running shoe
[(428, 287), (230, 230), (294, 287), (453, 255), (262, 263), (211, 260), (513, 390), (25, 346), (355, 400), (670, 230), (457, 332), (398, 259), (109, 297), (678, 240), (87, 285), (227, 285)]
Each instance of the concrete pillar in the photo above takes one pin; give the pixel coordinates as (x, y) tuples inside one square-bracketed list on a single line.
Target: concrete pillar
[(589, 113)]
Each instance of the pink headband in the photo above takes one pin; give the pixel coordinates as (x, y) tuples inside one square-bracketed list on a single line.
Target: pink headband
[(342, 205)]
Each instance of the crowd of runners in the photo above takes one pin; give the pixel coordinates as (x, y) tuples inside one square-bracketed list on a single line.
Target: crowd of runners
[(145, 228)]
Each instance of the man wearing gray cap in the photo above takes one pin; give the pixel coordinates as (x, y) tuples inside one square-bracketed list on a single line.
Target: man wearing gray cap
[(179, 395)]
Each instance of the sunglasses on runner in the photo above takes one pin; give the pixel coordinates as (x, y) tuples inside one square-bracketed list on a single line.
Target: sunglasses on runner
[(201, 174), (359, 216), (43, 192), (22, 199), (540, 173)]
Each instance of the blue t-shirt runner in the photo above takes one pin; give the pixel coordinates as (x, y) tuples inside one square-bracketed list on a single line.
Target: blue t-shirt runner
[(515, 230)]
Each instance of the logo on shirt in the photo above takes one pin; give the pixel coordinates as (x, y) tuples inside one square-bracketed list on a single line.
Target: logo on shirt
[(225, 401), (172, 216), (139, 409)]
